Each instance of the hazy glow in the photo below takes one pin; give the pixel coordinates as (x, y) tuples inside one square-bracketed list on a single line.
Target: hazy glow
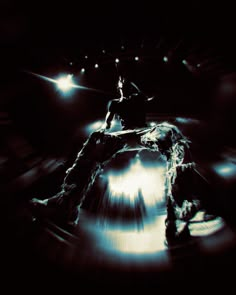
[(148, 241), (136, 58), (184, 61), (165, 59), (65, 83), (82, 70), (149, 180), (96, 66), (226, 170), (117, 60)]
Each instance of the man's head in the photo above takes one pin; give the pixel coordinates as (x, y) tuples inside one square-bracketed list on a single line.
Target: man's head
[(126, 88)]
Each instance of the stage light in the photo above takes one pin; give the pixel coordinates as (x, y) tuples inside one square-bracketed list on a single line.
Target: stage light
[(96, 66), (136, 58), (65, 83), (165, 59), (82, 70), (117, 60), (148, 180), (184, 61)]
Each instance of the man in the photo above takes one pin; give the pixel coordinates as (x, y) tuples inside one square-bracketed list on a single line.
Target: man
[(130, 109), (102, 146)]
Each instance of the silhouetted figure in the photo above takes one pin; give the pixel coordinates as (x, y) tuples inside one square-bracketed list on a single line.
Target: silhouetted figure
[(102, 146)]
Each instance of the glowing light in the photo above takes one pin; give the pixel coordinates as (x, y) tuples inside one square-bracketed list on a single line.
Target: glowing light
[(149, 241), (65, 83), (136, 58), (226, 170), (86, 57), (149, 181), (96, 66), (184, 61), (82, 70), (104, 51), (165, 59), (117, 60), (152, 124), (198, 65), (122, 47)]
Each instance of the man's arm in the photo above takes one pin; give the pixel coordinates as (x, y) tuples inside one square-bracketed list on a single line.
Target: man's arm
[(109, 118)]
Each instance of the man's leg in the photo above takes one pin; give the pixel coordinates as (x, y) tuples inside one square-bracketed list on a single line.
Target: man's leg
[(97, 151)]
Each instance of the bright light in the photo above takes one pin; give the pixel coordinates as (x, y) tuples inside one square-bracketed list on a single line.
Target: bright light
[(117, 60), (184, 61), (226, 170), (149, 241), (96, 66), (152, 124), (165, 59), (86, 57), (82, 70), (138, 179), (136, 58), (65, 83)]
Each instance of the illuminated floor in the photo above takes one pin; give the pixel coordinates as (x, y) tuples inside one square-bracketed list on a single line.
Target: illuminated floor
[(93, 244)]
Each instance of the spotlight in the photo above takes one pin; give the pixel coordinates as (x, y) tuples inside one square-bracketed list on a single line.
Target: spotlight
[(165, 59), (65, 83), (96, 66), (184, 61), (117, 60), (82, 70), (136, 58)]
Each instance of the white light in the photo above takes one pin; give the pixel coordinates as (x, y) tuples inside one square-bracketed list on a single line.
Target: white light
[(152, 124), (136, 58), (86, 57), (104, 51), (165, 59), (150, 181), (184, 61), (71, 63), (65, 83), (198, 65), (122, 47), (117, 60), (96, 66), (82, 70)]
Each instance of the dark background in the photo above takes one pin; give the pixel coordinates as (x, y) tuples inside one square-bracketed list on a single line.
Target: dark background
[(40, 130)]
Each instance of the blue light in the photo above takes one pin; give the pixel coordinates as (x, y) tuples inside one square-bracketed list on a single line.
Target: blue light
[(226, 170)]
